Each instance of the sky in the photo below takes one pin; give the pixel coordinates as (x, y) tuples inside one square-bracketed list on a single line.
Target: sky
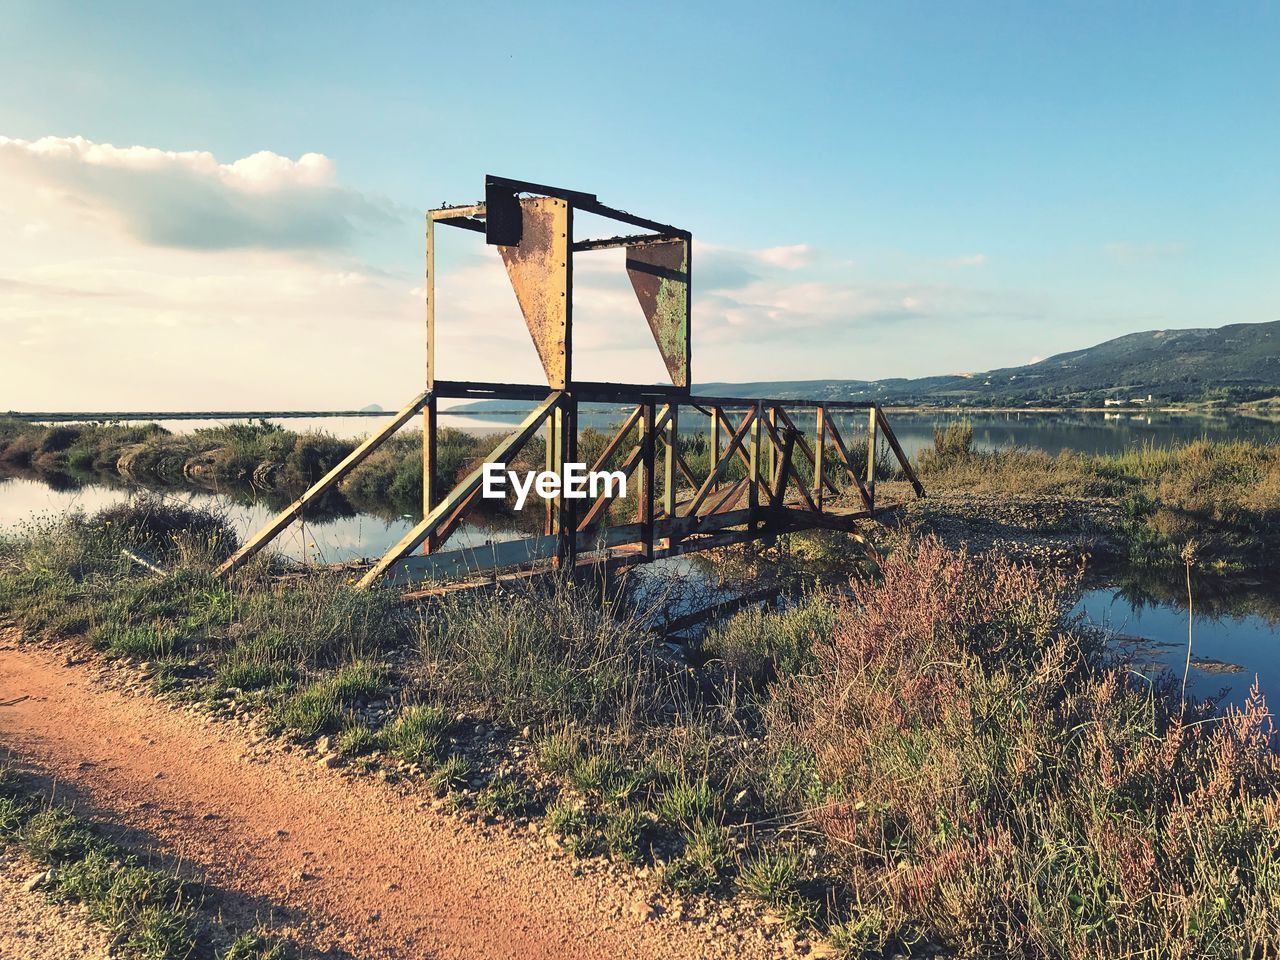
[(219, 206)]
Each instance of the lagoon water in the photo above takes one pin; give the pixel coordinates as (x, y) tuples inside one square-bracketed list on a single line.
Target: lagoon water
[(1087, 432), (1244, 633)]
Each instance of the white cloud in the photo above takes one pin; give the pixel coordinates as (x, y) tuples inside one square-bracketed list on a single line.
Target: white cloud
[(788, 258), (106, 305), (969, 260), (1133, 254), (162, 280), (188, 199)]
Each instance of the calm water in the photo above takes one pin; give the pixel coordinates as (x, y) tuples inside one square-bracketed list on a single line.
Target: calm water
[(1053, 432), (1238, 625), (1229, 647), (331, 541)]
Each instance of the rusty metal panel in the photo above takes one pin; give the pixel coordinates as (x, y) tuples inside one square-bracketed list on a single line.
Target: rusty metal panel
[(659, 274), (539, 270)]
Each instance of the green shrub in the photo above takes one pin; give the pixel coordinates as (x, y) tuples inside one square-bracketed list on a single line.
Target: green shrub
[(995, 786), (773, 876), (324, 705), (701, 865), (418, 734), (758, 645), (546, 656)]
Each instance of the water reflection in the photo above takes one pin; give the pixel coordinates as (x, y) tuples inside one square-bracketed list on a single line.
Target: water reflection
[(1235, 629)]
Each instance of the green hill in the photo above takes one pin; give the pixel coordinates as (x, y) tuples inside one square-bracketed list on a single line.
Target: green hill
[(1236, 362)]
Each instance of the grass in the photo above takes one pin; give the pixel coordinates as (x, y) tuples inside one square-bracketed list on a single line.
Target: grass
[(505, 796), (150, 912), (324, 705), (936, 757), (418, 734), (759, 645), (546, 656), (702, 864), (453, 772), (1224, 494), (773, 877), (995, 785)]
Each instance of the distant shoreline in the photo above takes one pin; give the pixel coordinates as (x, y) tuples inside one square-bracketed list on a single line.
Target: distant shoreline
[(1242, 410), (64, 417)]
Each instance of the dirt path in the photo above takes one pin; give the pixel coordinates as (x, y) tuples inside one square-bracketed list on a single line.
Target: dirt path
[(34, 929), (354, 869)]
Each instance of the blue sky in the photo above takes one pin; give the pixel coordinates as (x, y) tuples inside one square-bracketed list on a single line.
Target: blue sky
[(878, 189)]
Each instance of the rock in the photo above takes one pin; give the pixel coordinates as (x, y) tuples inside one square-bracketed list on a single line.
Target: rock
[(641, 910), (329, 761), (36, 881), (822, 950), (324, 743)]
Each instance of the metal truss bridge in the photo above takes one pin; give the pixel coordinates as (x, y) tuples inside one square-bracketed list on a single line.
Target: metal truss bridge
[(766, 467)]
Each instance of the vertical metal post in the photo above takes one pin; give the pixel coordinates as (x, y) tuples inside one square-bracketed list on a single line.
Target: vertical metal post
[(429, 411), (430, 287), (670, 475), (429, 467), (644, 502), (714, 456), (567, 548), (772, 471), (568, 294), (819, 454), (872, 426), (553, 454), (753, 469)]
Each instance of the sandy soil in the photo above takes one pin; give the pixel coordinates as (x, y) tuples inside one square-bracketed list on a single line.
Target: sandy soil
[(348, 867), (34, 929)]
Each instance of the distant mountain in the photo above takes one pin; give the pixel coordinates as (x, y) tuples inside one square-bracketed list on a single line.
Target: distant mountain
[(372, 408), (1238, 362)]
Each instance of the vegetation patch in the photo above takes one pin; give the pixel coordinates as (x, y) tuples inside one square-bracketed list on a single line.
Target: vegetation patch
[(931, 755), (151, 913)]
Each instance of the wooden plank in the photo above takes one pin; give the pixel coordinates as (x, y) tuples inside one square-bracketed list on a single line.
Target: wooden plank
[(718, 472), (551, 449), (430, 295), (290, 513), (753, 466), (486, 390), (820, 451), (841, 449), (716, 416), (669, 479), (644, 502), (730, 499), (790, 468), (635, 240), (461, 492), (489, 556), (804, 444), (873, 419), (429, 460), (897, 450), (452, 213), (566, 553)]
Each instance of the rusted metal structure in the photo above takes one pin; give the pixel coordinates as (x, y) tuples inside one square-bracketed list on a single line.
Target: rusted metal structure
[(753, 485)]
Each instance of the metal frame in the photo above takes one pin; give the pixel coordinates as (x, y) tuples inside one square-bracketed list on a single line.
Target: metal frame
[(678, 510)]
